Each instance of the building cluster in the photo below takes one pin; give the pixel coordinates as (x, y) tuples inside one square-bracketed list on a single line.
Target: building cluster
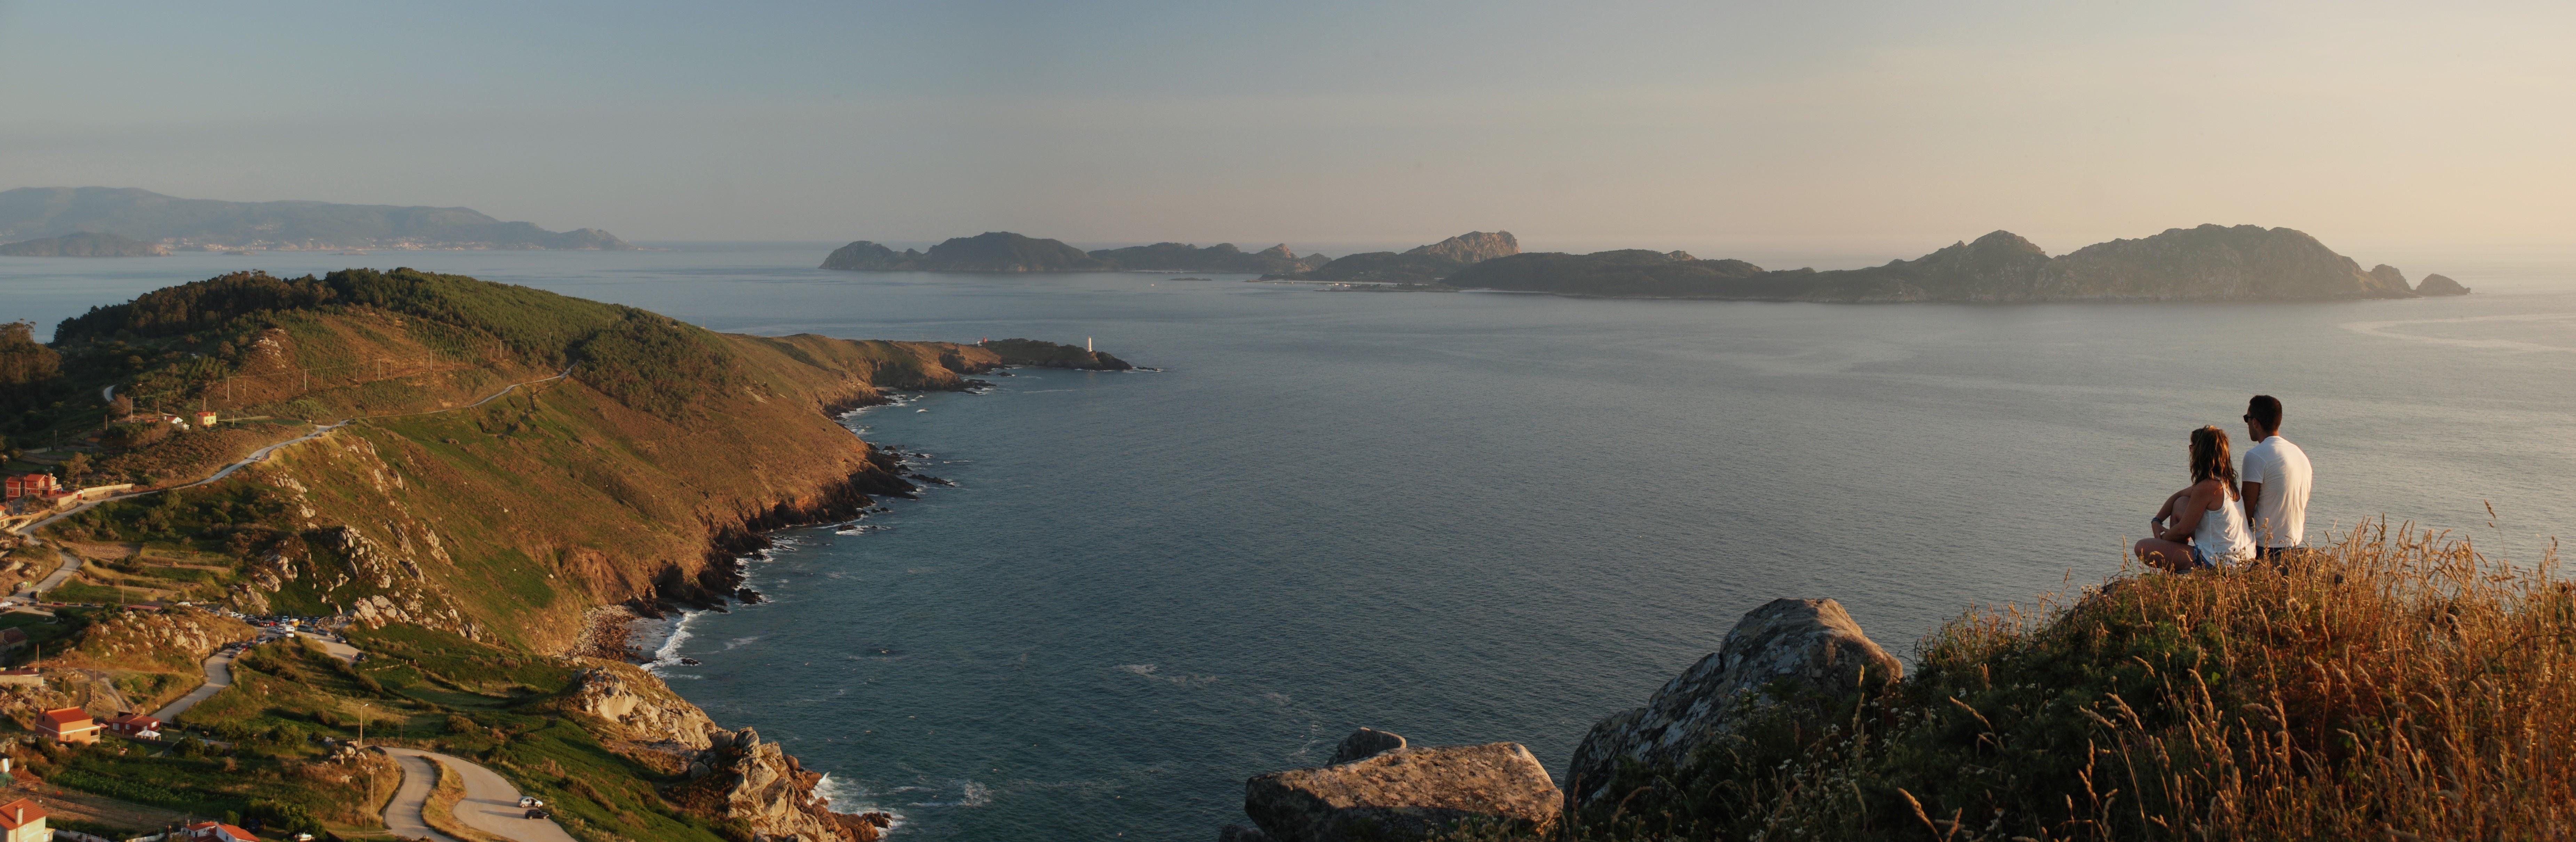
[(73, 725)]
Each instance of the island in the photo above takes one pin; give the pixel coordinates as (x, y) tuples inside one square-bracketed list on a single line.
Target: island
[(1003, 251), (2206, 263), (84, 244), (212, 225)]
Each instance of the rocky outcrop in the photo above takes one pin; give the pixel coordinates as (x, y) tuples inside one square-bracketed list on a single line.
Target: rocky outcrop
[(639, 707), (1422, 263), (1403, 793), (731, 775), (1809, 646), (84, 245), (175, 640), (2440, 285), (771, 792)]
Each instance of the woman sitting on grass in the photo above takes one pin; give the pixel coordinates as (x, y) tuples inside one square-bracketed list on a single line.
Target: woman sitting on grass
[(2202, 525)]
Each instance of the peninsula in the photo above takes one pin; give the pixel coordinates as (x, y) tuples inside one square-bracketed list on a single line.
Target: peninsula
[(477, 485), (39, 212), (84, 244)]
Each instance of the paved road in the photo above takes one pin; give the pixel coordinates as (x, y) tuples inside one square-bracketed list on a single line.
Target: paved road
[(490, 805), (219, 675), (402, 814), (71, 564)]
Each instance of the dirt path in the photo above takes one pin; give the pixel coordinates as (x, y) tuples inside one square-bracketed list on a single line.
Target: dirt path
[(490, 804)]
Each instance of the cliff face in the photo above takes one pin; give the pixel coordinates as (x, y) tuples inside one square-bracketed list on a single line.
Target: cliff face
[(2208, 263), (83, 245)]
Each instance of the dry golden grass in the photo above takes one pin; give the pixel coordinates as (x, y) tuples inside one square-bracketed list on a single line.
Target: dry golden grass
[(2393, 685)]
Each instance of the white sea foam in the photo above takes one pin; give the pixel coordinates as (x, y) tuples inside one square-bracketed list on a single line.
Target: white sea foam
[(2382, 329), (738, 642), (668, 654), (969, 794), (847, 800)]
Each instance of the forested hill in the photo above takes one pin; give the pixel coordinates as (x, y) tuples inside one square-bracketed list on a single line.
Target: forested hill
[(28, 213)]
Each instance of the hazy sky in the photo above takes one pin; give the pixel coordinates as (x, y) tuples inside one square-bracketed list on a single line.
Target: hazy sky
[(1576, 125)]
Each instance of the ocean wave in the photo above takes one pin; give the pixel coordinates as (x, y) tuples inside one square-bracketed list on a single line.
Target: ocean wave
[(1148, 671), (969, 794), (667, 655), (849, 801)]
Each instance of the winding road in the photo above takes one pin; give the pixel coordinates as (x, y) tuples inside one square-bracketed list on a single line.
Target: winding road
[(219, 675), (490, 804)]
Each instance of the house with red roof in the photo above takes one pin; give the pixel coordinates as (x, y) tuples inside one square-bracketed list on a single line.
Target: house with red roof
[(23, 821), (67, 725), (213, 832)]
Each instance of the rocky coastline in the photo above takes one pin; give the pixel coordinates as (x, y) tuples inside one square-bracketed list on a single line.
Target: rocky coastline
[(733, 773), (1806, 654)]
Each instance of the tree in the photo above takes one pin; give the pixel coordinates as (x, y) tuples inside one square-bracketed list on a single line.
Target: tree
[(76, 468)]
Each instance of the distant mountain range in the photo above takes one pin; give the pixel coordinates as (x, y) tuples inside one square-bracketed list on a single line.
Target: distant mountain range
[(29, 213), (1003, 251)]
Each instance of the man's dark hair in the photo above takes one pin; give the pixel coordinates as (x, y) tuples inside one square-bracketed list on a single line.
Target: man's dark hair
[(2264, 410)]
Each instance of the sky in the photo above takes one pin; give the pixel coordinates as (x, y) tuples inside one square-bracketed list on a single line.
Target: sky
[(1870, 127)]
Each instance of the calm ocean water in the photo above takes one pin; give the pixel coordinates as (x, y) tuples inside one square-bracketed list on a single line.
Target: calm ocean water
[(1476, 517)]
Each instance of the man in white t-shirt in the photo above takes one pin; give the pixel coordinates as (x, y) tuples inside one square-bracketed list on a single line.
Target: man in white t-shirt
[(2275, 481)]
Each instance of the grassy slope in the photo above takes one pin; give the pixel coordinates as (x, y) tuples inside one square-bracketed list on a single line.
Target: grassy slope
[(2392, 686), (492, 529)]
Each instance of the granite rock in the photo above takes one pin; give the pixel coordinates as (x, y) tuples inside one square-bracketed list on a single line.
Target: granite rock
[(1810, 644), (1407, 793), (1364, 744)]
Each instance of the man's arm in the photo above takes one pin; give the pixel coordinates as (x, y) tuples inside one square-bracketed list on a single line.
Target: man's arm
[(2253, 503)]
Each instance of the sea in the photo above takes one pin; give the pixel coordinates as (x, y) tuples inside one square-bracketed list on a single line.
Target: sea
[(1475, 517)]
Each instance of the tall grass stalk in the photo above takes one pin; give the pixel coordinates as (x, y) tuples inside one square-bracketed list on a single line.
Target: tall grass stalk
[(2393, 684)]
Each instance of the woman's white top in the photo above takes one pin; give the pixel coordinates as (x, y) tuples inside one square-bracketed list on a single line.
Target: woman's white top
[(2222, 537)]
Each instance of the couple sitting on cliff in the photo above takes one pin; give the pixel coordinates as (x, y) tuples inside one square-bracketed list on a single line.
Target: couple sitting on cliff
[(2205, 525)]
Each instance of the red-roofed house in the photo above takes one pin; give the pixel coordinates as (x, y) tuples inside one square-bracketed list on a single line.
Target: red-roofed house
[(219, 832), (68, 725), (23, 821), (136, 725)]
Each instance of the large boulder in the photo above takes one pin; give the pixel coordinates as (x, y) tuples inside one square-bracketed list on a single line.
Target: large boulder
[(1809, 648), (1403, 793)]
